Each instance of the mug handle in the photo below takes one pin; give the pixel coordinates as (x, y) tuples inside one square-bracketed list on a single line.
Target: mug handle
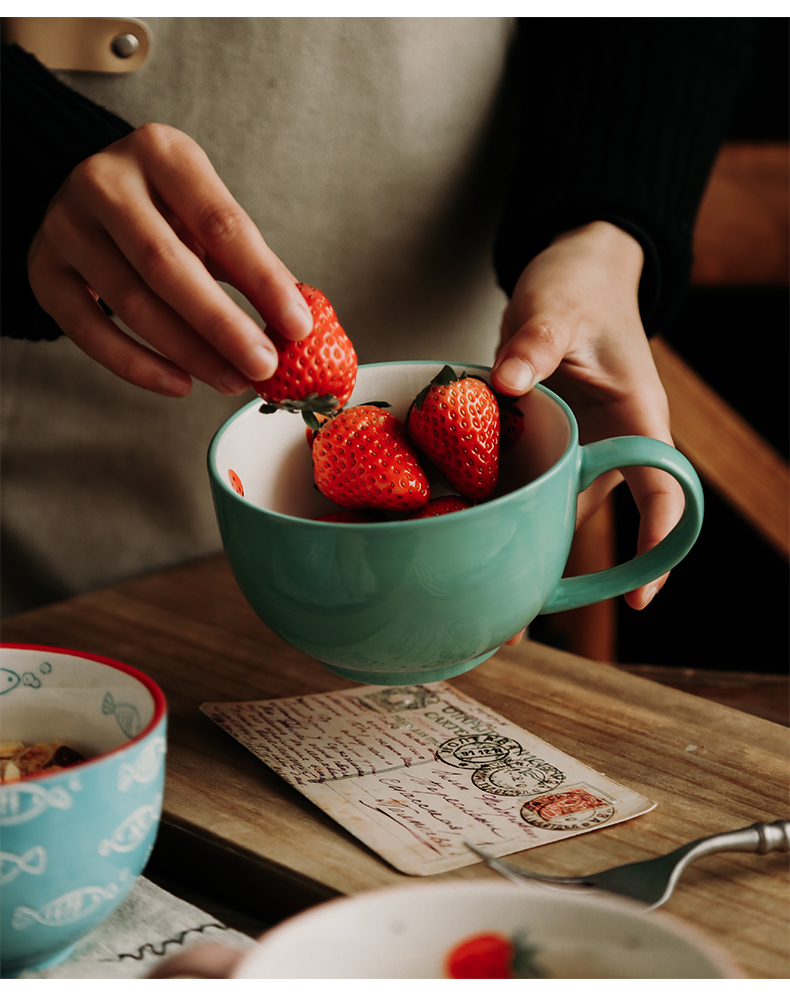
[(624, 452)]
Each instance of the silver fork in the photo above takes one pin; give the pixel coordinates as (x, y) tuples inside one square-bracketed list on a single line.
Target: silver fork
[(653, 880)]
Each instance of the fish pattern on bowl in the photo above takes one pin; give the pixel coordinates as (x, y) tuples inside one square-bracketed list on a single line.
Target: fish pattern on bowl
[(73, 842)]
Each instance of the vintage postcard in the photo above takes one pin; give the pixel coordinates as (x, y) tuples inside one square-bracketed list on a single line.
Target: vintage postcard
[(416, 771)]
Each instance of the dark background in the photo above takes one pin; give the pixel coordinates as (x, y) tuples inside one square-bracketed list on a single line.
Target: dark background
[(727, 605)]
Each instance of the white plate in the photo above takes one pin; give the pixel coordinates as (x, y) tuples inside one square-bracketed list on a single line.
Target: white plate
[(408, 932)]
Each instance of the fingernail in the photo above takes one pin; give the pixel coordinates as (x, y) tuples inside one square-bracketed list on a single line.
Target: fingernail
[(174, 384), (651, 592), (297, 320), (261, 363), (515, 376), (233, 382)]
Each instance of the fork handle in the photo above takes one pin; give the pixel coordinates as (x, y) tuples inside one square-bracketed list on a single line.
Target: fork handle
[(773, 837), (759, 837)]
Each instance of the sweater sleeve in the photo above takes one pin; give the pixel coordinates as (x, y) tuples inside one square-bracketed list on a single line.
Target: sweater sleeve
[(620, 119), (47, 129)]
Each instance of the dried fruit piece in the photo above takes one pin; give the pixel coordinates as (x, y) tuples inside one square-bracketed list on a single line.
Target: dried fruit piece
[(18, 759)]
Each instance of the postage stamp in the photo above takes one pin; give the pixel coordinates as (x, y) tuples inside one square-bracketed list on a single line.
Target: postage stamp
[(573, 809)]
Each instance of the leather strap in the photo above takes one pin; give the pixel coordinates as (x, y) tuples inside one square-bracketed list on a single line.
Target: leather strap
[(86, 44)]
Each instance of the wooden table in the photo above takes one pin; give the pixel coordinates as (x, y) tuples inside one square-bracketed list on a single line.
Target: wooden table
[(710, 768)]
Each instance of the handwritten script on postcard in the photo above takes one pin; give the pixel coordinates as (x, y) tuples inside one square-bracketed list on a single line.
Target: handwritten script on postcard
[(416, 771)]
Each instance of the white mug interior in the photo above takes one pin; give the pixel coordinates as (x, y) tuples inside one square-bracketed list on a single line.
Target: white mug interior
[(268, 456)]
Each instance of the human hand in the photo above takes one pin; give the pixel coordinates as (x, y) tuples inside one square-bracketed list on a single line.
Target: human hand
[(148, 226), (206, 961), (573, 323)]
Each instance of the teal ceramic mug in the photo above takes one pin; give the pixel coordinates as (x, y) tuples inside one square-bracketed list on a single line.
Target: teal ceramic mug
[(414, 601)]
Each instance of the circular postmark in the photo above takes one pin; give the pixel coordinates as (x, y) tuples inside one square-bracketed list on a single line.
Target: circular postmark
[(400, 699), (477, 749), (524, 775), (569, 810)]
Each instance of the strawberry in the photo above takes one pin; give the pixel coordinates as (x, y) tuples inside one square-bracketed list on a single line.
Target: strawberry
[(315, 374), (490, 955), (455, 422), (512, 420), (362, 459), (487, 956), (438, 507)]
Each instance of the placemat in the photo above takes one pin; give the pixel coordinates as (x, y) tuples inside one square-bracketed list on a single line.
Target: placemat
[(151, 925)]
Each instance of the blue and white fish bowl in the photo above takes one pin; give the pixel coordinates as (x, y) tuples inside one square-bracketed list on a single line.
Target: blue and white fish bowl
[(74, 840)]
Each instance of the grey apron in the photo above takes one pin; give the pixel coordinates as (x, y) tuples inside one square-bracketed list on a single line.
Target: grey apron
[(369, 152)]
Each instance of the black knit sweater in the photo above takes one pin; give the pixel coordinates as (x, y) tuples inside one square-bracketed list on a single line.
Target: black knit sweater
[(621, 120), (618, 119)]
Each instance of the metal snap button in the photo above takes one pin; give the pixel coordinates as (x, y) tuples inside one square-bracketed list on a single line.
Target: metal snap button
[(125, 46)]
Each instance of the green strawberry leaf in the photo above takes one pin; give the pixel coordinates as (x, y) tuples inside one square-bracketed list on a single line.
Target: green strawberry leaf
[(326, 404), (417, 403), (446, 376), (443, 378), (524, 965)]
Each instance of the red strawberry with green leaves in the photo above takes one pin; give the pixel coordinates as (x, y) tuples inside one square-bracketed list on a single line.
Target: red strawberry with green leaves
[(315, 374), (442, 505), (455, 422), (492, 956), (488, 956), (362, 459)]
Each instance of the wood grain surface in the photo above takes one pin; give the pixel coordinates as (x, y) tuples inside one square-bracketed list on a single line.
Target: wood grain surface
[(710, 768), (740, 465)]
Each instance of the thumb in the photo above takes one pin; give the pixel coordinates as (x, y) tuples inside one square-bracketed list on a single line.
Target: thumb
[(533, 353)]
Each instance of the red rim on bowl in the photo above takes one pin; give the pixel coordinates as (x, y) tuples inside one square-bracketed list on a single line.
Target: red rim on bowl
[(160, 703)]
